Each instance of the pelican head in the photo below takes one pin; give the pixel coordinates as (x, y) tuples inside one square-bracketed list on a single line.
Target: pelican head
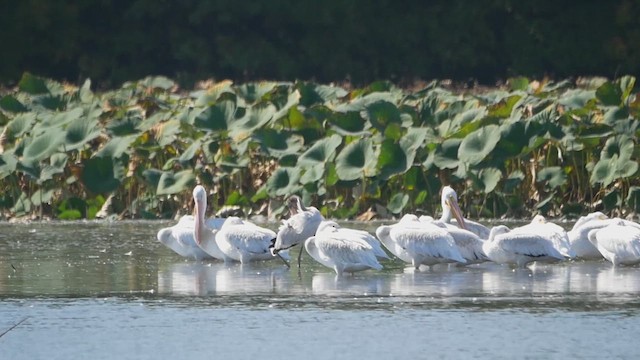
[(294, 203), (449, 202), (327, 225), (497, 230)]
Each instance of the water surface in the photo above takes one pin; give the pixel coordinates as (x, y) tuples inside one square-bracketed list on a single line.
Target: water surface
[(109, 290)]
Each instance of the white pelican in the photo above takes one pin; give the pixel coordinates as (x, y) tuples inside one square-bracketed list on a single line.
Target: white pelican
[(618, 243), (181, 237), (579, 234), (468, 243), (419, 243), (244, 241), (552, 232), (205, 236), (449, 202), (508, 247), (302, 224), (331, 248)]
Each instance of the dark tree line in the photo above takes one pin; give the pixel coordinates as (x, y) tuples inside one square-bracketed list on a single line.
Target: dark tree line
[(111, 41)]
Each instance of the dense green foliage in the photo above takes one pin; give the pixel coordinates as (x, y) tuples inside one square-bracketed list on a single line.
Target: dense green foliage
[(116, 41), (549, 147)]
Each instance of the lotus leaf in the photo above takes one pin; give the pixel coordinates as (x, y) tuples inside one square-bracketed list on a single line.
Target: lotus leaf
[(381, 114), (20, 124), (117, 146), (128, 125), (252, 92), (158, 82), (519, 83), (356, 160), (152, 176), (349, 123), (190, 152), (445, 155), (284, 182), (360, 103), (511, 183), (477, 145), (553, 176), (627, 83), (633, 198), (79, 132), (312, 174), (505, 107), (8, 163), (32, 84), (609, 94), (211, 95), (608, 170), (255, 117), (311, 94), (577, 98), (44, 145), (621, 145), (173, 183), (56, 166), (41, 196), (293, 99), (392, 159), (102, 174), (278, 143), (11, 104), (322, 151), (488, 179), (217, 117), (398, 202)]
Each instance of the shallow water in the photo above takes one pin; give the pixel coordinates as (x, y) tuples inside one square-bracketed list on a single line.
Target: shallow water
[(110, 290)]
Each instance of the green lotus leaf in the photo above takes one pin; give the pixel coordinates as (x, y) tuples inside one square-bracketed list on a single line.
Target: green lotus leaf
[(293, 99), (512, 182), (633, 198), (477, 145), (167, 132), (41, 196), (553, 176), (576, 98), (102, 175), (311, 94), (57, 163), (216, 117), (489, 178), (381, 114), (349, 123), (468, 116), (158, 82), (116, 147), (609, 170), (20, 124), (398, 202), (627, 83), (173, 183), (191, 151), (609, 94), (445, 156), (361, 103), (255, 117), (127, 125), (312, 174), (11, 104), (284, 182), (519, 83), (505, 107), (211, 95), (80, 132), (621, 145), (322, 151), (252, 92), (278, 143), (44, 145), (32, 84), (22, 205), (152, 176), (356, 160), (392, 159), (8, 163)]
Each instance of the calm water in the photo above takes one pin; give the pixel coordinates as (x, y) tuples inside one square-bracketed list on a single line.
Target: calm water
[(111, 291)]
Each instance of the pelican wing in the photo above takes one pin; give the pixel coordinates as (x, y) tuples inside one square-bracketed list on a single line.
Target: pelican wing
[(245, 237), (332, 248), (366, 237), (531, 245), (429, 241), (621, 240)]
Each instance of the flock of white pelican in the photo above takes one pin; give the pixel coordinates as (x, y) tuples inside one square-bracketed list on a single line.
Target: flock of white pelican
[(419, 241)]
